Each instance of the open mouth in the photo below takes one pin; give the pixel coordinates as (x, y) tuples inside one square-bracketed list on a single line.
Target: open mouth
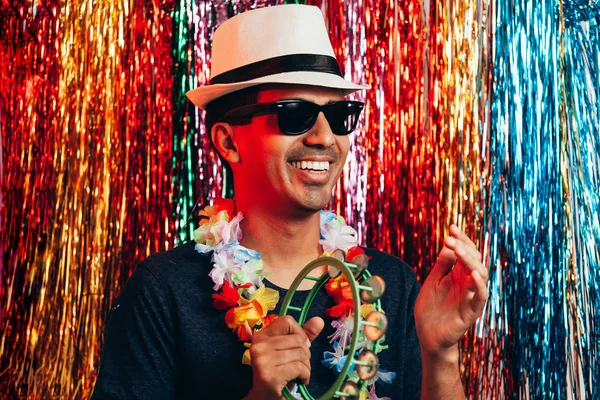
[(311, 166)]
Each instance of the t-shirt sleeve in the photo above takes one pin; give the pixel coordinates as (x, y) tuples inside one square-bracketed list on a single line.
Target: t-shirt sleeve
[(412, 376), (138, 356)]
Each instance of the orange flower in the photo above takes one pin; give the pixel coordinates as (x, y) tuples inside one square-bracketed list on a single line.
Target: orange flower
[(251, 312), (267, 298), (340, 290), (211, 213)]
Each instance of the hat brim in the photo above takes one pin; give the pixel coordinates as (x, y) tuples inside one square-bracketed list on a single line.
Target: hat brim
[(203, 95)]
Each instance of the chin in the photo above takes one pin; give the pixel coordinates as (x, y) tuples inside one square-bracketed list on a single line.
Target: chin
[(313, 202)]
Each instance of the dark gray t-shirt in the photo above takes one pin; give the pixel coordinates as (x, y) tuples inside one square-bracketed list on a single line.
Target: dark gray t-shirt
[(165, 340)]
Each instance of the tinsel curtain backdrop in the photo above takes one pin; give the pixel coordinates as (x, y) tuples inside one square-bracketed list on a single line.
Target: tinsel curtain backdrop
[(483, 113)]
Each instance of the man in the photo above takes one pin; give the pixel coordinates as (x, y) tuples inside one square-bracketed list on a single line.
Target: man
[(278, 119)]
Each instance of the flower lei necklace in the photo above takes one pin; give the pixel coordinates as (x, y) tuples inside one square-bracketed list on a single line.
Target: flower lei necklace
[(238, 282)]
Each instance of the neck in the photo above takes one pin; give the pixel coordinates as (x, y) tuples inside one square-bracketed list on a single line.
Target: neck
[(286, 244)]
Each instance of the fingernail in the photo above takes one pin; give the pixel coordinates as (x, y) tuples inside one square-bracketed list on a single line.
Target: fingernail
[(451, 240), (308, 343)]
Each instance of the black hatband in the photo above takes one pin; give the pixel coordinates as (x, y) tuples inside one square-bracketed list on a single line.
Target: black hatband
[(277, 65)]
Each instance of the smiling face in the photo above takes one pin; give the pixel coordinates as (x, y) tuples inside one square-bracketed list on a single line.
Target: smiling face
[(291, 174)]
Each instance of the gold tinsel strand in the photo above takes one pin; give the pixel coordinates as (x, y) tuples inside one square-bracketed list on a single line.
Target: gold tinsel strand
[(98, 77)]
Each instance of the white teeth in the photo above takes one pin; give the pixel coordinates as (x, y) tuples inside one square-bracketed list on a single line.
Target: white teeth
[(311, 165)]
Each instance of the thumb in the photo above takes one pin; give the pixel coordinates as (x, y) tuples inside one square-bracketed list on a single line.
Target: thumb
[(313, 327)]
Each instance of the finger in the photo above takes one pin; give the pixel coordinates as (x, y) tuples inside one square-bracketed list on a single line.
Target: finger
[(264, 358), (457, 233), (476, 294), (443, 264), (282, 342), (284, 357), (284, 374), (296, 370), (473, 298), (276, 378), (468, 256), (481, 290), (285, 325), (313, 327), (472, 263), (455, 243)]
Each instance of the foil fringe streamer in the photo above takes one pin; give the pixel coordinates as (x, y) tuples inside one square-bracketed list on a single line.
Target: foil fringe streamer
[(86, 188), (543, 311), (580, 159)]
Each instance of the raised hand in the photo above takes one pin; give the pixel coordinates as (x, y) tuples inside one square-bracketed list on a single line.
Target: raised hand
[(280, 354), (452, 297)]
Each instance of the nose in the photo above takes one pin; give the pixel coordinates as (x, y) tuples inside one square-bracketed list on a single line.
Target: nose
[(320, 135)]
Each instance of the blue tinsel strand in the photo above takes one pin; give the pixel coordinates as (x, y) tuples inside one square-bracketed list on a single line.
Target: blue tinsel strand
[(544, 202)]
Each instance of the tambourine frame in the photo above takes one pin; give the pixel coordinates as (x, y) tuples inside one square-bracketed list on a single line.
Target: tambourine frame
[(285, 307)]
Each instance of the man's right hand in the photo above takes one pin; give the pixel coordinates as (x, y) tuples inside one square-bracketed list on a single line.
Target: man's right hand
[(280, 354)]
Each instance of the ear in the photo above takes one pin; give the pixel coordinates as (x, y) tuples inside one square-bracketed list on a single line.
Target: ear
[(223, 138)]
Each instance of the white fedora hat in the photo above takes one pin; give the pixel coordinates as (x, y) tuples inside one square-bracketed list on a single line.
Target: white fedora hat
[(280, 44)]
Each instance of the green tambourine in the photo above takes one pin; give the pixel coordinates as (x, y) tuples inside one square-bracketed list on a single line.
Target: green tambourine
[(375, 324)]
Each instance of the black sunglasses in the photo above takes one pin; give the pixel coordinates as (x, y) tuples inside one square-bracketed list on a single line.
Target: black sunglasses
[(296, 117)]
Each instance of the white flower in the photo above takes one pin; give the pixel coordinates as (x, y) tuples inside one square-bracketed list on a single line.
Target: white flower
[(343, 330), (235, 232), (243, 254), (228, 231), (335, 359), (217, 248), (336, 234), (294, 392), (383, 375), (250, 271), (224, 267)]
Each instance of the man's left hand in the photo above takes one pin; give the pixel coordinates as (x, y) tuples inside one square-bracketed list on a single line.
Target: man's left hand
[(451, 299)]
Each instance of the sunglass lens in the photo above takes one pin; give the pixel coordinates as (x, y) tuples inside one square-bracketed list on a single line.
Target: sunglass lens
[(296, 117), (343, 116)]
